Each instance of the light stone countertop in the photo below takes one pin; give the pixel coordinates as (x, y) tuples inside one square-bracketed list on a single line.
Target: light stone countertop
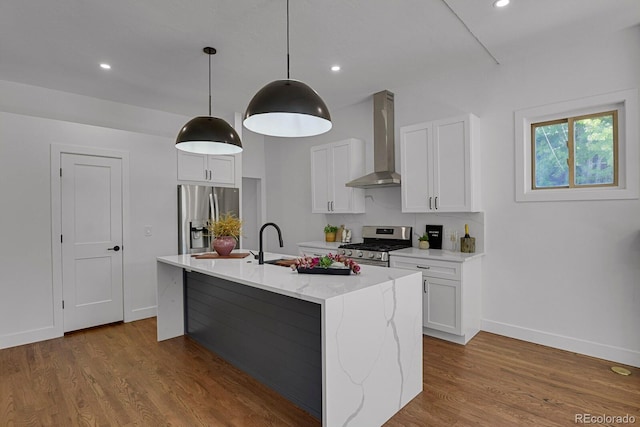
[(436, 254), (282, 280)]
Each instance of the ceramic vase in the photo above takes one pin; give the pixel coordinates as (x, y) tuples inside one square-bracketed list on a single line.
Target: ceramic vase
[(223, 245)]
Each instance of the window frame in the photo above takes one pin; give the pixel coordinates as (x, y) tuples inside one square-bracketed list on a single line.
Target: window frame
[(625, 103), (570, 120)]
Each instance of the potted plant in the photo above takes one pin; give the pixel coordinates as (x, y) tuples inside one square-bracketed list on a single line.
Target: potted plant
[(330, 233), (225, 233), (423, 241)]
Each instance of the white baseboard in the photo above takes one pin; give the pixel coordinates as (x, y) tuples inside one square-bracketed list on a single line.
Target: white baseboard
[(458, 339), (141, 313), (28, 337), (589, 348), (47, 333)]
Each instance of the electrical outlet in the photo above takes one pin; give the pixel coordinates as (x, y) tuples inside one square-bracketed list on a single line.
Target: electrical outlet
[(148, 231)]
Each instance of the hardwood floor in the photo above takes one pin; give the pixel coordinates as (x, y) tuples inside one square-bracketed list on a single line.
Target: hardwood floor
[(118, 375)]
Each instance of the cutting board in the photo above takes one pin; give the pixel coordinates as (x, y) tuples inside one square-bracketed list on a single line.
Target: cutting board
[(285, 262), (213, 255)]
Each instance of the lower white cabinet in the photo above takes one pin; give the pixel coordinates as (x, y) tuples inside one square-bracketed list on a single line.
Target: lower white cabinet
[(451, 296), (442, 300)]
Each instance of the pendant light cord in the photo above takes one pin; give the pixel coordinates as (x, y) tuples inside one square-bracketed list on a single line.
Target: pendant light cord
[(288, 77), (209, 85)]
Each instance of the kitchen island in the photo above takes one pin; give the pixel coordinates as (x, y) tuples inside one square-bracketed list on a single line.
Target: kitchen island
[(346, 348)]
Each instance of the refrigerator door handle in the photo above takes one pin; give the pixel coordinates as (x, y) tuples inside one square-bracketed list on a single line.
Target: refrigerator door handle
[(213, 200), (216, 204), (212, 207)]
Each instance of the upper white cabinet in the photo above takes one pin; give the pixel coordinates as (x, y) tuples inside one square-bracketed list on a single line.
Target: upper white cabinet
[(440, 163), (332, 166), (215, 170)]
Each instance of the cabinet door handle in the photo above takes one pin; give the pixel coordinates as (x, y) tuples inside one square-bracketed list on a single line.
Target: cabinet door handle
[(424, 286), (430, 199), (206, 175), (424, 267), (436, 202), (328, 206), (332, 205)]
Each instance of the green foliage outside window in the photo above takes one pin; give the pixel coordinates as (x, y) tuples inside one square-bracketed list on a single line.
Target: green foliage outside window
[(575, 152)]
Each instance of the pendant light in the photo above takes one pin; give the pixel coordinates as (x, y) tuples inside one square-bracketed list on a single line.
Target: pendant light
[(287, 108), (206, 134)]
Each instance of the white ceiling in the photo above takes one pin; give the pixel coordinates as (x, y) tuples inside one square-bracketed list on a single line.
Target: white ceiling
[(155, 46)]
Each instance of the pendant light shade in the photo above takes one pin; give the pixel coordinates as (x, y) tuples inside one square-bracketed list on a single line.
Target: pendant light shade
[(287, 108), (206, 134)]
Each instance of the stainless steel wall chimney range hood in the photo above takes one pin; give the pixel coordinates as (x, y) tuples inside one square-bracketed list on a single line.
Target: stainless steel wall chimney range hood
[(384, 174)]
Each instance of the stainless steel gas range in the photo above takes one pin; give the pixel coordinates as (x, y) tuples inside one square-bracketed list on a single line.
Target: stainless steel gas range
[(378, 241)]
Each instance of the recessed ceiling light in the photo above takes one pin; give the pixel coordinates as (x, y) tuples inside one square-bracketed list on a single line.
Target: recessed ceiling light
[(335, 68), (105, 66), (500, 3)]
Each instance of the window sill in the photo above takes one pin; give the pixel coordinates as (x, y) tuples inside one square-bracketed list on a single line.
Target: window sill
[(574, 194)]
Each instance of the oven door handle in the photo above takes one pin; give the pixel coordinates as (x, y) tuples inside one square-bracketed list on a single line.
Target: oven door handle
[(371, 262)]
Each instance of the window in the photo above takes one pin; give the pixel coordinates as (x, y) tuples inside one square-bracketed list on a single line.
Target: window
[(575, 152), (585, 149)]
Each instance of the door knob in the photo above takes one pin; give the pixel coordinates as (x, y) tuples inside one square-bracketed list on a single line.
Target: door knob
[(115, 248)]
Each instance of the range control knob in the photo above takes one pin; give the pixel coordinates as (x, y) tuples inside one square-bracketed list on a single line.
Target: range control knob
[(360, 254), (371, 255), (379, 256), (349, 253)]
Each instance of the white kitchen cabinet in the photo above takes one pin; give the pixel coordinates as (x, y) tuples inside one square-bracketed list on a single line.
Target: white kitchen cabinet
[(440, 163), (222, 171), (332, 166), (451, 296)]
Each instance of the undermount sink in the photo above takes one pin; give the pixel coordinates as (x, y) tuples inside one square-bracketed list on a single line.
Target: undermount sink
[(282, 262)]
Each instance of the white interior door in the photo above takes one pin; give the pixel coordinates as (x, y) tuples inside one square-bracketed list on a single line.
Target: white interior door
[(91, 196)]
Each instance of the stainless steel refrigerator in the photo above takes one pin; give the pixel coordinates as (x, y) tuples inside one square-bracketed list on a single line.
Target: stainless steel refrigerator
[(196, 205)]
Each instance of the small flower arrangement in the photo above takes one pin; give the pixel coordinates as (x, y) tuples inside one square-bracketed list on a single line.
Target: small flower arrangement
[(327, 261)]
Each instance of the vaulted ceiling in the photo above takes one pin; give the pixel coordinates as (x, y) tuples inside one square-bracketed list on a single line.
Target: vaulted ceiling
[(155, 46)]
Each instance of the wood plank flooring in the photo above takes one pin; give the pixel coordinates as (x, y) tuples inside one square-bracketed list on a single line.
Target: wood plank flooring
[(118, 375)]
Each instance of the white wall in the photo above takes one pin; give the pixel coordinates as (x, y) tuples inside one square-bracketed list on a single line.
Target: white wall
[(562, 274), (27, 306), (33, 118)]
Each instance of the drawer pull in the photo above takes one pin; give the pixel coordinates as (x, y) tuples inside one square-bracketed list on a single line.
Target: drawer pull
[(423, 267)]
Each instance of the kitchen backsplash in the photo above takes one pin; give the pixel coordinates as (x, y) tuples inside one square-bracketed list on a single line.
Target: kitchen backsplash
[(383, 208)]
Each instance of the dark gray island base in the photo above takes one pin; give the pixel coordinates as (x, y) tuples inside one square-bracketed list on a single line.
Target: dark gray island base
[(274, 338)]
